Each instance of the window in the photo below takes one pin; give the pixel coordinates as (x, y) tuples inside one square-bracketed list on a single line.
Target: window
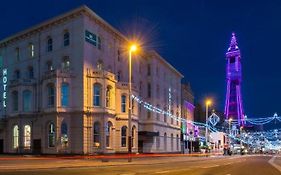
[(165, 115), (108, 96), (119, 74), (97, 134), (50, 66), (31, 50), (100, 65), (157, 113), (172, 142), (27, 100), (165, 141), (124, 136), (133, 106), (64, 135), (15, 101), (148, 114), (157, 142), (15, 136), (27, 137), (133, 136), (64, 95), (17, 54), (178, 142), (108, 134), (51, 95), (157, 91), (97, 95), (66, 38), (148, 90), (140, 88), (148, 69), (172, 117), (30, 72), (118, 55), (51, 135), (123, 103), (17, 74), (65, 65), (99, 42), (49, 44)]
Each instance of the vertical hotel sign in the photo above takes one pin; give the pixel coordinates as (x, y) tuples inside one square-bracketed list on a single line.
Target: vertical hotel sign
[(5, 80)]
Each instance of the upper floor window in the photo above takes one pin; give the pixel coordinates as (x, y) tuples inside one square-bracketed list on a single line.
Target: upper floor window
[(49, 44), (119, 75), (148, 69), (27, 97), (65, 63), (123, 103), (97, 95), (50, 66), (66, 38), (118, 55), (100, 65), (17, 54), (17, 74), (99, 43), (51, 95), (148, 90), (31, 50), (64, 95), (15, 100), (30, 72)]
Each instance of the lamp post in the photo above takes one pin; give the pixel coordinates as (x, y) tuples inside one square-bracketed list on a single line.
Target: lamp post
[(208, 103), (132, 49)]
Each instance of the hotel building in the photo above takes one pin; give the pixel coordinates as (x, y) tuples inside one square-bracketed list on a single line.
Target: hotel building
[(65, 91)]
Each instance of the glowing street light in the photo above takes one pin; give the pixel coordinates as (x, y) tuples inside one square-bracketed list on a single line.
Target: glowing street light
[(208, 103), (132, 48)]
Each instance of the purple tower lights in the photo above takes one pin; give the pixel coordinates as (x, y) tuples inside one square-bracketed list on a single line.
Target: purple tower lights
[(233, 102)]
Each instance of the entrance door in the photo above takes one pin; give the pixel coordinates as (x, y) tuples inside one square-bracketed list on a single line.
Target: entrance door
[(36, 146), (1, 146)]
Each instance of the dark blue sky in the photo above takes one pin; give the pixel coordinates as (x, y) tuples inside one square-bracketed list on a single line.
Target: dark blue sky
[(192, 35)]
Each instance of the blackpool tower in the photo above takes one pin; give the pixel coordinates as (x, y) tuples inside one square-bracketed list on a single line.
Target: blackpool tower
[(233, 102)]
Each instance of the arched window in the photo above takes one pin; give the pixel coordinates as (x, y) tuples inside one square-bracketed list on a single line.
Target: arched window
[(123, 103), (97, 134), (27, 100), (97, 95), (172, 142), (16, 137), (165, 141), (51, 95), (65, 64), (100, 65), (27, 137), (64, 134), (133, 136), (65, 94), (49, 44), (108, 96), (15, 100), (178, 144), (124, 136), (66, 38), (51, 135), (108, 134), (31, 49)]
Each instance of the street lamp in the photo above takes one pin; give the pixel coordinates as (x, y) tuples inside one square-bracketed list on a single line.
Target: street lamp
[(132, 49), (208, 103)]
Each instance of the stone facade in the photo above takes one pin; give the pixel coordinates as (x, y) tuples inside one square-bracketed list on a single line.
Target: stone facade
[(67, 90)]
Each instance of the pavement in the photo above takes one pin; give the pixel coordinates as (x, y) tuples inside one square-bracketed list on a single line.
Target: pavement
[(176, 165)]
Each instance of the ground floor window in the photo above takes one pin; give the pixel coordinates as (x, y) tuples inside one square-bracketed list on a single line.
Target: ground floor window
[(124, 136), (27, 137), (51, 135), (16, 137), (108, 134), (64, 135), (97, 134)]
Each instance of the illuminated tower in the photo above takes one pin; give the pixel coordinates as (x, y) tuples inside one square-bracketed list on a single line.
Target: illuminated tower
[(233, 102)]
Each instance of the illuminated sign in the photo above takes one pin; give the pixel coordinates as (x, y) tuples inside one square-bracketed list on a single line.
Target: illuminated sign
[(91, 38), (5, 80)]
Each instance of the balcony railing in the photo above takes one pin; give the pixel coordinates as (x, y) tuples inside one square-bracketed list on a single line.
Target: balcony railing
[(58, 73), (22, 81), (101, 74)]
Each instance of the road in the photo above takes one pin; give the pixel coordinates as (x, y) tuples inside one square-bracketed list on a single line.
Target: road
[(245, 165)]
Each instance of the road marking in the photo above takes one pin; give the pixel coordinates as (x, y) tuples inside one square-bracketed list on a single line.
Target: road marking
[(212, 166), (271, 161), (162, 172)]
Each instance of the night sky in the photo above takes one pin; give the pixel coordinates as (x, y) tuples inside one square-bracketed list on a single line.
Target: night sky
[(192, 35)]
